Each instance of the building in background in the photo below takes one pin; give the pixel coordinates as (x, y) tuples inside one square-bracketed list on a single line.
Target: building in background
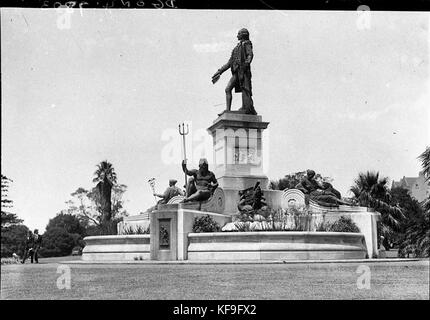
[(418, 187)]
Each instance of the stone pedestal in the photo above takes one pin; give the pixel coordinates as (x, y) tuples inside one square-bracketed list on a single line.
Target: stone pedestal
[(238, 154), (170, 227), (164, 235)]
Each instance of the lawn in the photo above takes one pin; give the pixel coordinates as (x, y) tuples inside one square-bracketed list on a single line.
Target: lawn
[(389, 280)]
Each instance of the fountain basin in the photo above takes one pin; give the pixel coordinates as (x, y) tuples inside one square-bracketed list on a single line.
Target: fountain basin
[(276, 245), (116, 247)]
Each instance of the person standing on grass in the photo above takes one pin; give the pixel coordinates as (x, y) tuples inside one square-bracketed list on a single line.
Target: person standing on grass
[(37, 243), (28, 250)]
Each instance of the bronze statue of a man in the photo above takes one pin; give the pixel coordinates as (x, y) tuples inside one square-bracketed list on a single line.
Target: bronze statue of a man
[(203, 184), (240, 66)]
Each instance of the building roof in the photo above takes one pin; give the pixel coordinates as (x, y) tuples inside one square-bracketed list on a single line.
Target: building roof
[(410, 180), (404, 182)]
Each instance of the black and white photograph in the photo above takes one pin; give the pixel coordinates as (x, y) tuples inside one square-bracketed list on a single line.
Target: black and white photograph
[(213, 154)]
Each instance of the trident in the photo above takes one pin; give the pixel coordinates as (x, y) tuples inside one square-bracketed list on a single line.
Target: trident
[(183, 133)]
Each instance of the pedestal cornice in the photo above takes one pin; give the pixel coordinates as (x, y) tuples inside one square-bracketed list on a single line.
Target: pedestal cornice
[(231, 119)]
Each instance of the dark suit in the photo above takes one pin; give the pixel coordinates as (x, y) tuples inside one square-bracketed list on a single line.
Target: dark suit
[(28, 250), (37, 243)]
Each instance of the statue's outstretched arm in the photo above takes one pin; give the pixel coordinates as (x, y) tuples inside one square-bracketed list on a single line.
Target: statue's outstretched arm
[(225, 67)]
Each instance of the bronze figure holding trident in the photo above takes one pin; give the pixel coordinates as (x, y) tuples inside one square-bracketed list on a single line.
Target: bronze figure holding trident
[(240, 66), (202, 184), (183, 133)]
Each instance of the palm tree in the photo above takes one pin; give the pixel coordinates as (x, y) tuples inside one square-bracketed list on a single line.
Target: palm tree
[(425, 161), (418, 232), (372, 191), (105, 177)]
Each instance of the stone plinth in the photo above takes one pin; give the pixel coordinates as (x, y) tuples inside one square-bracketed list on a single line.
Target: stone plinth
[(178, 223), (238, 154), (116, 248)]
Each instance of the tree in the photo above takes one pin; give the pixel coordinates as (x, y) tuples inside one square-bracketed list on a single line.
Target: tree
[(86, 205), (83, 205), (425, 161), (105, 177), (68, 223), (13, 239), (7, 218), (63, 233), (58, 242), (101, 208), (412, 211), (118, 210), (417, 239), (13, 232), (422, 234), (372, 191)]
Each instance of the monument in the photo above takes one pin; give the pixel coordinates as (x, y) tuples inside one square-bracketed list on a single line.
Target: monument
[(238, 186)]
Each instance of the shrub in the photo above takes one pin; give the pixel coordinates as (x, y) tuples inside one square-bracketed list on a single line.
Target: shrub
[(107, 228), (243, 226), (344, 224), (138, 230), (205, 224), (9, 261), (323, 226)]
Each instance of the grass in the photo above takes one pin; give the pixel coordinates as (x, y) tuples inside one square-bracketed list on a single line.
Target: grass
[(389, 280)]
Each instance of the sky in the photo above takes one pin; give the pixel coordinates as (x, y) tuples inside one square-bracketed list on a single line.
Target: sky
[(344, 92)]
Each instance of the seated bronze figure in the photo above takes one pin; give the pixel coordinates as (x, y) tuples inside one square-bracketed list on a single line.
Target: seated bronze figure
[(324, 194), (202, 184)]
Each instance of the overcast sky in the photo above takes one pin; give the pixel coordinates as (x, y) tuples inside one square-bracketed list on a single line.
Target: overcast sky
[(343, 93)]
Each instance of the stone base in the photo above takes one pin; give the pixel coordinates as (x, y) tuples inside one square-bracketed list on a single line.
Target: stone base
[(364, 218), (119, 248), (236, 246)]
